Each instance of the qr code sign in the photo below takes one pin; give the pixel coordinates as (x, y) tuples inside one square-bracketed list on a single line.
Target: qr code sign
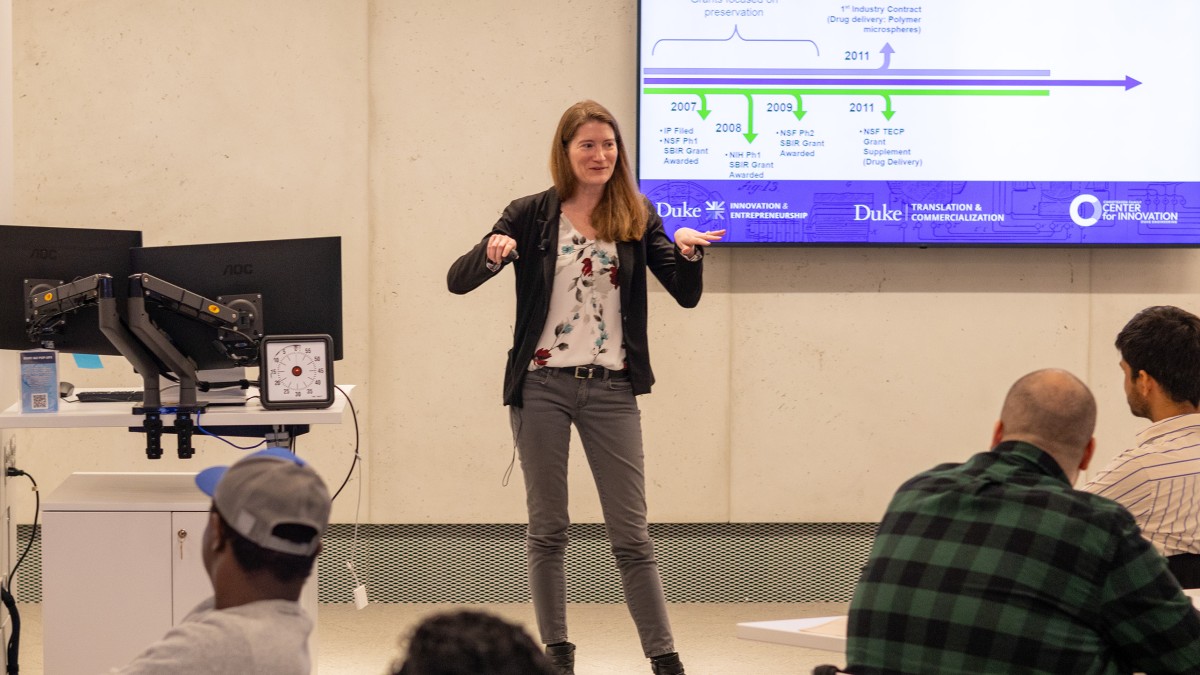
[(39, 401)]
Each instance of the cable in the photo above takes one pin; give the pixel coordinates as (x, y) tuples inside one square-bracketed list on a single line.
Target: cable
[(208, 386), (357, 458), (517, 421), (206, 432), (14, 642), (6, 596), (360, 590), (37, 498)]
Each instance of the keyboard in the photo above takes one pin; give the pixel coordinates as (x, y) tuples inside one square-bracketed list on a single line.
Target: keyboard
[(217, 397), (110, 396)]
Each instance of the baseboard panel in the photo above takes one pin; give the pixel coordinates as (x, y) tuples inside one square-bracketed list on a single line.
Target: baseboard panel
[(699, 562)]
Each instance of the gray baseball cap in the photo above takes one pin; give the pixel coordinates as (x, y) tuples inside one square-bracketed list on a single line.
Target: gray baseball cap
[(265, 490)]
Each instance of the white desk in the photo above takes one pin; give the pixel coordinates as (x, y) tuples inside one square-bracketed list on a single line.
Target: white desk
[(825, 632), (119, 414), (822, 632)]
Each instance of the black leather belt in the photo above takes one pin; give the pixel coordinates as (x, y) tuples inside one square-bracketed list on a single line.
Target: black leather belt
[(592, 372)]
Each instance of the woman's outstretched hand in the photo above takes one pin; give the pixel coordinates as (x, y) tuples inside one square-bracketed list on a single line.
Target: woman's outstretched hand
[(687, 239)]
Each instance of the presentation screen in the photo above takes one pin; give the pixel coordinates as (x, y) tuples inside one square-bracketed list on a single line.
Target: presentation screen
[(942, 122)]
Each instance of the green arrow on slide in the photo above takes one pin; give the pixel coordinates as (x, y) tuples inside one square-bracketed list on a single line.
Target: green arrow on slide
[(750, 135), (799, 111)]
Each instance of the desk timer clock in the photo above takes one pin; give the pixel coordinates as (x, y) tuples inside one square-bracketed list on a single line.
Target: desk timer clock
[(296, 371)]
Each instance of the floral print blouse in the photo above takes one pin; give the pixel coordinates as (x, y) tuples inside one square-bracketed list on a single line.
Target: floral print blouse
[(583, 326)]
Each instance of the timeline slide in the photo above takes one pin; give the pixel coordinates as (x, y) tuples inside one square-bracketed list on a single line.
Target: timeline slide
[(939, 122)]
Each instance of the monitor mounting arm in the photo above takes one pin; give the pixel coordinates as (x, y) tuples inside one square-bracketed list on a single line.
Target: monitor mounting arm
[(237, 318), (48, 301), (239, 331)]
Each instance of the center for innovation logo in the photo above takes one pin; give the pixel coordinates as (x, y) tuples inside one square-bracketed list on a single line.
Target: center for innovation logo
[(1087, 210), (1076, 210)]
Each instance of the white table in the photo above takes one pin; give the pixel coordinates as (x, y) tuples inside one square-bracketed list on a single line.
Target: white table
[(825, 632), (822, 632), (119, 414)]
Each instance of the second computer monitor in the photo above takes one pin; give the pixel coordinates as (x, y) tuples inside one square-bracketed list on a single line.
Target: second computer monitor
[(61, 254), (300, 281)]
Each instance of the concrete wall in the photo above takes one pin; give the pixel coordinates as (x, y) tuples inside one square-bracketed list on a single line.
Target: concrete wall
[(805, 387)]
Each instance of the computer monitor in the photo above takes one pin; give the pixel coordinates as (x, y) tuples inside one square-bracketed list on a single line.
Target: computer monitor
[(65, 254), (299, 281)]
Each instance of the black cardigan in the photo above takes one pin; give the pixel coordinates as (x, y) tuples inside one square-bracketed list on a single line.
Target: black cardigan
[(533, 222)]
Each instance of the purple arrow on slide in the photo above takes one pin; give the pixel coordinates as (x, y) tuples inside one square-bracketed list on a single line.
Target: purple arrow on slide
[(1128, 83)]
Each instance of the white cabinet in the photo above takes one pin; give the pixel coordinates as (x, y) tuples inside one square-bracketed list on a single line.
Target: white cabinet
[(121, 564), (109, 579), (114, 577)]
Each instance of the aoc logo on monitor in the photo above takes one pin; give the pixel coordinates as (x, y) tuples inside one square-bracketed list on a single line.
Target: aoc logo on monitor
[(237, 269), (43, 254)]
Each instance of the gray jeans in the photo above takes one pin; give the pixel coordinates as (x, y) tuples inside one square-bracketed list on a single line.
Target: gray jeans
[(605, 412)]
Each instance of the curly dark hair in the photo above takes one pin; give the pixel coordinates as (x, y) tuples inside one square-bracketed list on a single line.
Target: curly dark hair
[(468, 642)]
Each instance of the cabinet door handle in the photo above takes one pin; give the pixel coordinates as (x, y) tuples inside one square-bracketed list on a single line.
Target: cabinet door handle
[(181, 535)]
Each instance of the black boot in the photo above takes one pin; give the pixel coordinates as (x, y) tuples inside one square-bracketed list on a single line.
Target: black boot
[(667, 664), (562, 657)]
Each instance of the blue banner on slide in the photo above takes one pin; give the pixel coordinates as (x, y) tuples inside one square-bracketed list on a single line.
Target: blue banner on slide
[(932, 213), (921, 123)]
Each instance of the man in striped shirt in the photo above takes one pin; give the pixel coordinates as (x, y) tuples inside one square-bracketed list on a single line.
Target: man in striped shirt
[(1158, 480)]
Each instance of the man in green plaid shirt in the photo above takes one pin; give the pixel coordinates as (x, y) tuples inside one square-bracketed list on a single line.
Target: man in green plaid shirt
[(998, 565)]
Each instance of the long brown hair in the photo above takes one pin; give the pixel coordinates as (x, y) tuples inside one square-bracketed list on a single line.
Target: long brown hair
[(621, 213)]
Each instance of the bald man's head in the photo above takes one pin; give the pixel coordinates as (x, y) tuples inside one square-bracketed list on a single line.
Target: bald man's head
[(1053, 410)]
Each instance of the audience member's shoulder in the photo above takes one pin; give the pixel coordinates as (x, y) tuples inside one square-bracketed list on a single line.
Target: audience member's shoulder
[(260, 613), (1102, 510), (191, 647), (942, 474)]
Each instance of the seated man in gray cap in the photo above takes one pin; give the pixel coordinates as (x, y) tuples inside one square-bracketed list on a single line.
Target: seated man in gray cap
[(269, 512)]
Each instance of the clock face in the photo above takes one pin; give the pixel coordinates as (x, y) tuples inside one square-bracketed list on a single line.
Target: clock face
[(296, 372)]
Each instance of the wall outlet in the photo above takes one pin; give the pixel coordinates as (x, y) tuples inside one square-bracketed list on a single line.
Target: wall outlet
[(10, 453)]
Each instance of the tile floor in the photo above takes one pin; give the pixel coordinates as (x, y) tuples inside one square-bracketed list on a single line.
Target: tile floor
[(366, 642)]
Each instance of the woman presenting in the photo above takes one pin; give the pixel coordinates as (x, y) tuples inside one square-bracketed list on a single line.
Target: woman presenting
[(580, 355)]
